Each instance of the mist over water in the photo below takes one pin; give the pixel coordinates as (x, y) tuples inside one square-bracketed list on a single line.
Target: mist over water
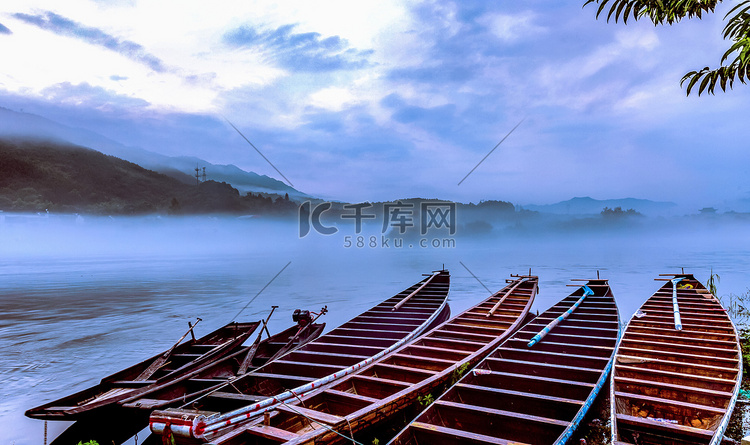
[(85, 297)]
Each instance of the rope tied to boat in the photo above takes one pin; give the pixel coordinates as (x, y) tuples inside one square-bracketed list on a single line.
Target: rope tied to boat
[(675, 306), (534, 340), (167, 437), (311, 420)]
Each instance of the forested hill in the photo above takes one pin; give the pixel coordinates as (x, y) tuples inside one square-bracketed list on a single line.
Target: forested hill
[(59, 177)]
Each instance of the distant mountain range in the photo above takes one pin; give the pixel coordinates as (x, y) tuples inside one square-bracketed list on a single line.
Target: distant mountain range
[(590, 206), (182, 168), (42, 175)]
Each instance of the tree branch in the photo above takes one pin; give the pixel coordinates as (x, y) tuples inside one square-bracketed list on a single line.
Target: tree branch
[(667, 12)]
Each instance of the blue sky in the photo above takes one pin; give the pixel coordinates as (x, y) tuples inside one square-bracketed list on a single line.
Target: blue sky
[(381, 100)]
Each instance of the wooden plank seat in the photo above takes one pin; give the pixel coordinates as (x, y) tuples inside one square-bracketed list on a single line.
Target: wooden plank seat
[(671, 429), (537, 356), (677, 356), (675, 406), (681, 348), (678, 378), (450, 436), (671, 391), (551, 370)]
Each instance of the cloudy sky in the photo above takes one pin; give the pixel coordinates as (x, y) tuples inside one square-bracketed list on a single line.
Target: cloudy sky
[(382, 100)]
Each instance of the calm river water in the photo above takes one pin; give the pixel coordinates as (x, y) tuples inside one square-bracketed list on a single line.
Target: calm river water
[(81, 299)]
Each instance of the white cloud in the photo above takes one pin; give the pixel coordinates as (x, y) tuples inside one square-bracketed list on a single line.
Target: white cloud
[(185, 36), (590, 80), (513, 27), (333, 98)]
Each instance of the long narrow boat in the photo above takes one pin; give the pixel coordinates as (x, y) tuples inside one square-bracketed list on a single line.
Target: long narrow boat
[(678, 369), (537, 386), (247, 359), (116, 423), (331, 357), (179, 360), (419, 370)]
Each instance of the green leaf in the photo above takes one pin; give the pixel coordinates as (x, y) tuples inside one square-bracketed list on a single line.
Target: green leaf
[(601, 8), (694, 77), (619, 11), (704, 84), (716, 76)]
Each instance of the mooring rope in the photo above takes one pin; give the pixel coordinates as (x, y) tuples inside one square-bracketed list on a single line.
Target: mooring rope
[(261, 291), (310, 419)]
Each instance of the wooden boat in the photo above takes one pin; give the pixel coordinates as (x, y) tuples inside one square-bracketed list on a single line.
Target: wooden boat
[(329, 358), (174, 362), (676, 386), (117, 423), (421, 369), (247, 359), (536, 394)]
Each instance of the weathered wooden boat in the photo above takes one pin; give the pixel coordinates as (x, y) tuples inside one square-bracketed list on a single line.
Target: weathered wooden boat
[(174, 362), (331, 357), (247, 359), (115, 423), (537, 386), (419, 370), (677, 370)]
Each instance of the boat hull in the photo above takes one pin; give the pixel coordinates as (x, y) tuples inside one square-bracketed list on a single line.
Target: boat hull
[(185, 358), (328, 359), (673, 386), (534, 394), (183, 391), (398, 383)]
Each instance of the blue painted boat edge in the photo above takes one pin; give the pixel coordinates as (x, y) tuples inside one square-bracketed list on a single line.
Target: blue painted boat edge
[(568, 433), (612, 407), (719, 434)]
